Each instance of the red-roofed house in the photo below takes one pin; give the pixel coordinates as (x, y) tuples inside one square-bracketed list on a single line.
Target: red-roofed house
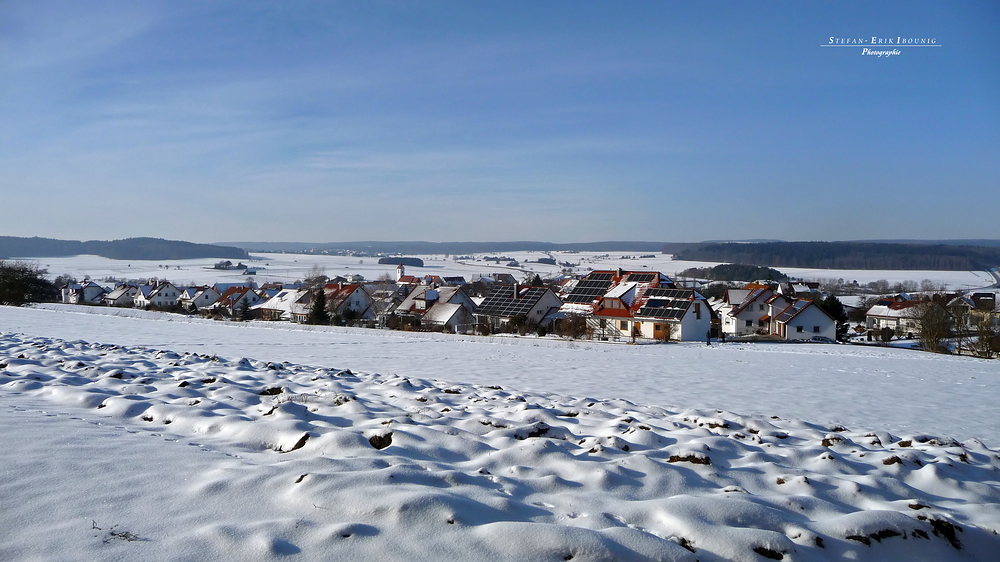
[(233, 298), (349, 301)]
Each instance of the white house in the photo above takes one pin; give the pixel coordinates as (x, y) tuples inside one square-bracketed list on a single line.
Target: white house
[(279, 307), (349, 300), (162, 295), (672, 314), (196, 298), (897, 313), (427, 303), (803, 320), (746, 316), (83, 293), (122, 296)]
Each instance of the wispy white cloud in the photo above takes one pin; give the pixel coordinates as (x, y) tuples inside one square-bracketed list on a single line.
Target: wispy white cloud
[(36, 35)]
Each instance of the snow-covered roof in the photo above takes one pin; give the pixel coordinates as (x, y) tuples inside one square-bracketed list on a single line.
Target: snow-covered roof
[(120, 292), (736, 296), (620, 290), (443, 295), (576, 308), (441, 313), (753, 296), (889, 312)]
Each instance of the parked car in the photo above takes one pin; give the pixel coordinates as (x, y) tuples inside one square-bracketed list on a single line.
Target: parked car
[(822, 339)]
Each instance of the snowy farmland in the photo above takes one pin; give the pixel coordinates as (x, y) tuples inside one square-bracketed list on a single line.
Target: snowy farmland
[(158, 437), (287, 268)]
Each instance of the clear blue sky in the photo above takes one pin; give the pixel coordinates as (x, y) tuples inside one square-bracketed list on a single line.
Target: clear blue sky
[(447, 121)]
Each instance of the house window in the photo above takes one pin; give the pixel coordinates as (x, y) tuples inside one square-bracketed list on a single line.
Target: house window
[(749, 323), (760, 307), (816, 329), (624, 325), (697, 311), (798, 328), (657, 327)]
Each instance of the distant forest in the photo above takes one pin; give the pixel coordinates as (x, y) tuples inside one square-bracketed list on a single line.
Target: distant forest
[(415, 262), (417, 247), (128, 249), (734, 272), (847, 255)]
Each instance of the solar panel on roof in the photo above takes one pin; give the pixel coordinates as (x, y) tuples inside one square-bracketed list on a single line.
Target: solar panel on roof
[(664, 292), (642, 277), (792, 311), (667, 313), (503, 302), (590, 288)]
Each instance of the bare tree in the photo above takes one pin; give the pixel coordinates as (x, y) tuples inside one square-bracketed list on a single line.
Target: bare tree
[(382, 291), (936, 324), (961, 319), (860, 312), (987, 341), (880, 286), (316, 277)]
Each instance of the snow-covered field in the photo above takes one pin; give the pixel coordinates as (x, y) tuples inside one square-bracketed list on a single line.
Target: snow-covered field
[(876, 388), (179, 439), (286, 268)]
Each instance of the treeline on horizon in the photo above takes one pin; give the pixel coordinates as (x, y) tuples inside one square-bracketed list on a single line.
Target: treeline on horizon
[(418, 247), (127, 249), (847, 255)]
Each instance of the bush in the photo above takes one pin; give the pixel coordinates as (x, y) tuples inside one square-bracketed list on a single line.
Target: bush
[(541, 332), (22, 282), (573, 326), (886, 334)]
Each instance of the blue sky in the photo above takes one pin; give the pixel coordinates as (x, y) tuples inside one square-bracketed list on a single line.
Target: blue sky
[(448, 121)]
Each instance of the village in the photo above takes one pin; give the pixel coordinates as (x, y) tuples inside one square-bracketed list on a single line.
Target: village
[(611, 305)]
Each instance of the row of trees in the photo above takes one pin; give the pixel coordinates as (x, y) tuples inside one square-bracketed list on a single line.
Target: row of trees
[(879, 286), (937, 325), (847, 255)]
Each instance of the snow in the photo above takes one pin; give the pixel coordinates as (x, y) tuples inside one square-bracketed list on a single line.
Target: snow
[(286, 268), (177, 438), (889, 389)]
